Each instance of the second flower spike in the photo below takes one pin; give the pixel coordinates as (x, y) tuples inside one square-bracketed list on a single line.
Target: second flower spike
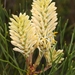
[(22, 34)]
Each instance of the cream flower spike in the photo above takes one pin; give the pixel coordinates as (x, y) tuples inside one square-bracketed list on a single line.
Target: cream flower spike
[(54, 56), (44, 19), (22, 34)]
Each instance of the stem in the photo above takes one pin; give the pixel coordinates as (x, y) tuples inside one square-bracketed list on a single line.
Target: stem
[(38, 60), (30, 68), (45, 69)]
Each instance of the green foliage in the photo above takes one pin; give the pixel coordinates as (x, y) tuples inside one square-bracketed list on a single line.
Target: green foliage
[(14, 63)]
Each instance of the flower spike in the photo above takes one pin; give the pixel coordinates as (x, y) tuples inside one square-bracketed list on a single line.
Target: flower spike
[(44, 19), (22, 34)]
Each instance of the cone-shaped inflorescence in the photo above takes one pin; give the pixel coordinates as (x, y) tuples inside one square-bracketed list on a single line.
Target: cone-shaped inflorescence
[(22, 34), (44, 19)]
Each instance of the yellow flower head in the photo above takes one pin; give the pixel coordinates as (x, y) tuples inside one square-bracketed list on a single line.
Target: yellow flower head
[(54, 56), (22, 34), (44, 19)]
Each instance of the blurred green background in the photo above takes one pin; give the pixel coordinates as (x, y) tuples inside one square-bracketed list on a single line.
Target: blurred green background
[(65, 8)]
